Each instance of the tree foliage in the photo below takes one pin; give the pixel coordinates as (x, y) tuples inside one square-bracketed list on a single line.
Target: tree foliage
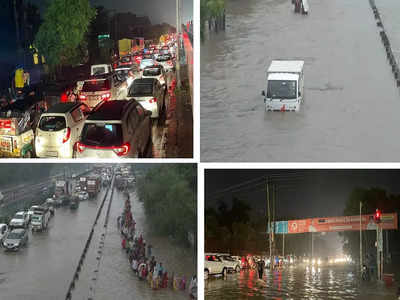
[(169, 196), (61, 37)]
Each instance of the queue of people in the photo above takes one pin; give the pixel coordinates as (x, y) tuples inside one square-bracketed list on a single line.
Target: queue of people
[(141, 260)]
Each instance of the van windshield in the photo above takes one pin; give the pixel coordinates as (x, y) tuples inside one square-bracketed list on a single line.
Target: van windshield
[(52, 123), (102, 135), (282, 89)]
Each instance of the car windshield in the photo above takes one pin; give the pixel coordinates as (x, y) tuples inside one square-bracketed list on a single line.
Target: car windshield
[(228, 258), (151, 72), (281, 89), (14, 236), (52, 123), (36, 218), (18, 217), (141, 89), (102, 134), (146, 62), (163, 58), (96, 85), (98, 70)]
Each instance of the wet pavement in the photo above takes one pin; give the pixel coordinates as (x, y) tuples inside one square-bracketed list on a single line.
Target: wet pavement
[(338, 282), (117, 280), (351, 103)]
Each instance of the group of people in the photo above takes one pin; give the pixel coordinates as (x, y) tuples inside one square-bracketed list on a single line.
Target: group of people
[(140, 257)]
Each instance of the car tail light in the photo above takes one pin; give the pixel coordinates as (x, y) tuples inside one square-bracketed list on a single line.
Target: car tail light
[(106, 96), (122, 150), (153, 100), (80, 147), (82, 97), (67, 135), (64, 97)]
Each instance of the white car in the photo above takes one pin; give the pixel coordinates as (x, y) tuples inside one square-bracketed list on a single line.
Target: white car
[(213, 265), (83, 196), (20, 219), (59, 129), (3, 232), (156, 72), (231, 264)]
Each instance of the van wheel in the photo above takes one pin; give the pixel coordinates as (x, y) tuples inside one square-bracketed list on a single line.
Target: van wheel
[(224, 272), (206, 274)]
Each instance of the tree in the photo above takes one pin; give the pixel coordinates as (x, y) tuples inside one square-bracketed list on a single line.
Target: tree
[(61, 37)]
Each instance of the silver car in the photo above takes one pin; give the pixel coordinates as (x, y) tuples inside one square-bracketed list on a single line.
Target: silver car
[(16, 239)]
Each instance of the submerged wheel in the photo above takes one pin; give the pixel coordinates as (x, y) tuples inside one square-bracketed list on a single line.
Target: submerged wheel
[(206, 274)]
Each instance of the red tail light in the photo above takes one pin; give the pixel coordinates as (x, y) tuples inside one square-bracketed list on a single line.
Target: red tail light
[(122, 150), (67, 135), (64, 97), (153, 100), (79, 147), (106, 96), (82, 97)]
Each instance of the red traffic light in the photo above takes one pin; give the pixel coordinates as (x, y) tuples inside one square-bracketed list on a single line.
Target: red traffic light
[(377, 216)]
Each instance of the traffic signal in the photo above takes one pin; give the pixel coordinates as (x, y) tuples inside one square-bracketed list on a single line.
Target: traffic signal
[(377, 216)]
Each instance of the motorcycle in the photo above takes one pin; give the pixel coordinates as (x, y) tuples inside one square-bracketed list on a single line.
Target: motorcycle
[(365, 273)]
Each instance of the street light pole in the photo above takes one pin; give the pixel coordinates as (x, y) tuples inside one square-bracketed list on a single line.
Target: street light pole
[(269, 225)]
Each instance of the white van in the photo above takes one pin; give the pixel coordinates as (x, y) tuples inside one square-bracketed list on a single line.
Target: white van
[(285, 85)]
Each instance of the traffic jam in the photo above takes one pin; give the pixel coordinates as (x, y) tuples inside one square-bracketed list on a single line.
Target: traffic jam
[(68, 193), (118, 111)]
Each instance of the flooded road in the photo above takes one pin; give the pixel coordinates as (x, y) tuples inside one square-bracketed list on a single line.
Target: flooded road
[(352, 104), (339, 282)]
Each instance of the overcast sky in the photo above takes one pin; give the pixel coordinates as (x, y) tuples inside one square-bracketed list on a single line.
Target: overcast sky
[(158, 11)]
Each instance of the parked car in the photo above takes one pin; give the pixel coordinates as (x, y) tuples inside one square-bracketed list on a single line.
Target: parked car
[(213, 265), (231, 264), (102, 88), (59, 129), (156, 72), (15, 239), (3, 232), (150, 94), (116, 129), (20, 219)]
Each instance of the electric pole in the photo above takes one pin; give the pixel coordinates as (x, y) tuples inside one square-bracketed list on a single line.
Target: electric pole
[(361, 257), (178, 38), (269, 226)]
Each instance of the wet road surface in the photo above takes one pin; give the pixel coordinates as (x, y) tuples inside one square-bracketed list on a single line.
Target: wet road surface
[(117, 280), (351, 107), (339, 282)]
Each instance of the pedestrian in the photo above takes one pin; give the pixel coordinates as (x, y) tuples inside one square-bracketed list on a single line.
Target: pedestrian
[(123, 244), (149, 250), (260, 268), (160, 270)]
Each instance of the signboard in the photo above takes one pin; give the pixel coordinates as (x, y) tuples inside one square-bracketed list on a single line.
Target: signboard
[(281, 227), (103, 36), (335, 224)]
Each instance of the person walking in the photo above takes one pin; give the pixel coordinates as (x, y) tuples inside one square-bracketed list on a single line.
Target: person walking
[(260, 265)]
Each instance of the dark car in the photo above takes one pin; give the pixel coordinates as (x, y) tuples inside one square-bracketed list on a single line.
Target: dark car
[(16, 239), (116, 129)]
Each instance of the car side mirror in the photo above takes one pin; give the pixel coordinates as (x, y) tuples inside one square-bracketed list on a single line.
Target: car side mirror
[(262, 93)]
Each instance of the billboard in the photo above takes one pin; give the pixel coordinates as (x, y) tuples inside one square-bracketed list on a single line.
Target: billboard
[(335, 224)]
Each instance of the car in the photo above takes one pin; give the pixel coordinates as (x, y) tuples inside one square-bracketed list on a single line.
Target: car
[(156, 72), (15, 239), (150, 94), (166, 61), (20, 219), (3, 232), (116, 129), (59, 129), (231, 264), (147, 62), (213, 265), (83, 195), (102, 88), (31, 211)]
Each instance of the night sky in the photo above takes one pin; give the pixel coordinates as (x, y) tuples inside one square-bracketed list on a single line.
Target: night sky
[(302, 193)]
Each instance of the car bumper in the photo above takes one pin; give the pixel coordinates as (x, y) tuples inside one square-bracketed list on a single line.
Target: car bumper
[(62, 151), (11, 248), (281, 106)]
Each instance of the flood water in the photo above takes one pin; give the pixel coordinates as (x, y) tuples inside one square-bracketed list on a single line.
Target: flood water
[(352, 104), (338, 282)]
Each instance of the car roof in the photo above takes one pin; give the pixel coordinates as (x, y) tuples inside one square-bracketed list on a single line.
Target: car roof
[(62, 107), (109, 110), (20, 213)]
